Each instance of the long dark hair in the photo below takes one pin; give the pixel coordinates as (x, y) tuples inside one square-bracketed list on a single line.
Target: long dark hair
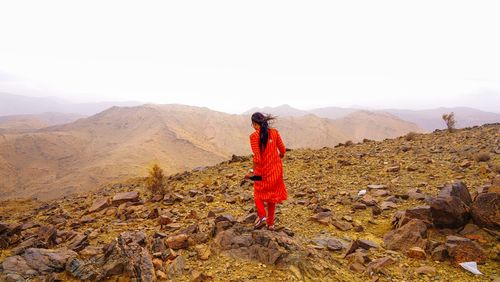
[(263, 120)]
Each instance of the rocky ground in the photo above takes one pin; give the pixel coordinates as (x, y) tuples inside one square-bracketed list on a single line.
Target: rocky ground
[(405, 209)]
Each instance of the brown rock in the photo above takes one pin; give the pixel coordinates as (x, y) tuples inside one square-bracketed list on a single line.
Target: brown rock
[(342, 225), (99, 205), (462, 250), (376, 265), (449, 212), (457, 189), (367, 244), (416, 194), (412, 234), (357, 267), (376, 210), (388, 205), (197, 276), (164, 220), (425, 270), (423, 213), (380, 193), (47, 261), (440, 253), (48, 235), (393, 169), (322, 218), (368, 200), (124, 197), (376, 187), (209, 198), (175, 267), (154, 213), (359, 206), (203, 251), (486, 210), (416, 253), (177, 242), (79, 242)]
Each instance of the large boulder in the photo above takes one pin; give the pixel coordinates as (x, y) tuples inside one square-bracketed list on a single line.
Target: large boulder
[(272, 248), (412, 234), (462, 250), (486, 210), (457, 189), (449, 212), (35, 262), (126, 256)]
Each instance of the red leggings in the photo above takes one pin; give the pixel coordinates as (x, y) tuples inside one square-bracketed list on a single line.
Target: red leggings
[(261, 212)]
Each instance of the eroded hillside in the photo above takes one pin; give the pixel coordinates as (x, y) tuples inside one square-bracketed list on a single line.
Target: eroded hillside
[(122, 142)]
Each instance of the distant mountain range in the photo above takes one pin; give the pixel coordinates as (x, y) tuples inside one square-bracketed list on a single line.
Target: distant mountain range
[(122, 142), (23, 105), (426, 119)]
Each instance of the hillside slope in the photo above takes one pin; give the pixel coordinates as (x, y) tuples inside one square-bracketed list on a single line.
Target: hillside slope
[(326, 231), (122, 142)]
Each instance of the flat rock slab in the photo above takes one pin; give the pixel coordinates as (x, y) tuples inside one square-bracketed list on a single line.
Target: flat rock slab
[(99, 205), (376, 186), (124, 197)]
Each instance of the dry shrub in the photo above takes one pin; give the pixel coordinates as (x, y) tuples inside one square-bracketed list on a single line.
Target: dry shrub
[(482, 157), (450, 121), (154, 182), (411, 136), (349, 143)]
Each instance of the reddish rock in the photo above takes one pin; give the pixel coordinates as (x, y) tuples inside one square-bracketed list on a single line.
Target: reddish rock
[(423, 213), (457, 189), (412, 234), (177, 242), (486, 210), (99, 205), (425, 270), (322, 218), (440, 253), (164, 220), (462, 250), (376, 265), (449, 212), (416, 253), (48, 234), (124, 197), (342, 225), (368, 200)]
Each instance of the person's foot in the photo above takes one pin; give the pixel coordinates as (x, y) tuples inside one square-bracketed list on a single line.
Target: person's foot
[(260, 223), (270, 227)]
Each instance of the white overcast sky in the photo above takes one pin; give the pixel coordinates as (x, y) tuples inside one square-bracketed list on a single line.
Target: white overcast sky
[(233, 55)]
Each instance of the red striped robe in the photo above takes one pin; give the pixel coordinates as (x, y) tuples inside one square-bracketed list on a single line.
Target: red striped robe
[(268, 165)]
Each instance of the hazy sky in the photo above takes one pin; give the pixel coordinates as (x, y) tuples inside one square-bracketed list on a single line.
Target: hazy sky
[(233, 55)]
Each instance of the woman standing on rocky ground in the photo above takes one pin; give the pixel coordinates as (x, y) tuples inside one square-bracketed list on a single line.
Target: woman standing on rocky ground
[(269, 187)]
